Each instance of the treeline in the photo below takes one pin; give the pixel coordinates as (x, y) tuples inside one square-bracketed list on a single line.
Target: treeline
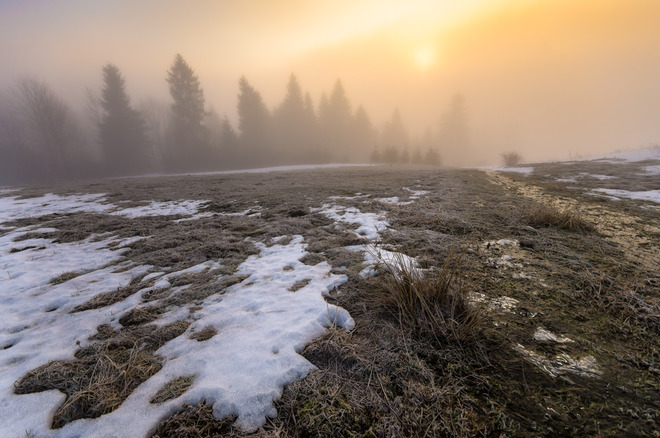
[(42, 139)]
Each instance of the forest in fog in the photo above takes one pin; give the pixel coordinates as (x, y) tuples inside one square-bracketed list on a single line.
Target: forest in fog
[(43, 138)]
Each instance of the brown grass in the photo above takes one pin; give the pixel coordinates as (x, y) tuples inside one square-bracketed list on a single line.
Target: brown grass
[(64, 277), (204, 334), (195, 422), (104, 374), (173, 389), (299, 285), (112, 297), (623, 298), (548, 215), (434, 302)]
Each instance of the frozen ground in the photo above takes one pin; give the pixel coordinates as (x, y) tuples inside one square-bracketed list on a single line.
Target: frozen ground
[(263, 323)]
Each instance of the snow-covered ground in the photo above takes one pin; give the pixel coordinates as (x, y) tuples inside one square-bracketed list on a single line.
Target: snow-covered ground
[(263, 322)]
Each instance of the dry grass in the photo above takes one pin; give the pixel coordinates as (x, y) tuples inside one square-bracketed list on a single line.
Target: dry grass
[(396, 375), (64, 277), (104, 374), (173, 389), (624, 298), (299, 285), (109, 298), (204, 334), (548, 215), (195, 422), (434, 302)]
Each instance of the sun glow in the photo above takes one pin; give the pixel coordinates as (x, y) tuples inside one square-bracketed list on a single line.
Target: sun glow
[(424, 57)]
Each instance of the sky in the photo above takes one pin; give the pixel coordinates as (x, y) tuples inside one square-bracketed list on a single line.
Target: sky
[(550, 78)]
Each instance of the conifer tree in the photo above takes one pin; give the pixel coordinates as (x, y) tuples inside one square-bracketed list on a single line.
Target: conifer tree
[(189, 142), (121, 129), (253, 122), (335, 118), (289, 120)]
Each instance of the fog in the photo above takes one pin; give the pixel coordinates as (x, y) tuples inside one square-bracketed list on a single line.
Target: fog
[(429, 81)]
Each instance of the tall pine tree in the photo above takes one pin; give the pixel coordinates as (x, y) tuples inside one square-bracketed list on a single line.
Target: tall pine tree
[(335, 118), (121, 129), (254, 123), (189, 139), (290, 120)]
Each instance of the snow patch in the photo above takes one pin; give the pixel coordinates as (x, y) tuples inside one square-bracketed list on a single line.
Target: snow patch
[(370, 224), (562, 364), (262, 327), (650, 195), (543, 335)]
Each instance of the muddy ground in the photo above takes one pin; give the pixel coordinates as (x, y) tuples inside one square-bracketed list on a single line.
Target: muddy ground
[(567, 340)]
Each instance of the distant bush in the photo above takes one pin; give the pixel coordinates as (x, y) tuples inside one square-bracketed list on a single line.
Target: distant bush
[(511, 159)]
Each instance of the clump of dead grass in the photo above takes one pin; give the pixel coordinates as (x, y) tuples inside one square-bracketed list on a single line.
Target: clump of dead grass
[(548, 215), (623, 298), (204, 334), (299, 285), (173, 389), (112, 297), (103, 374), (433, 302), (196, 422), (63, 277)]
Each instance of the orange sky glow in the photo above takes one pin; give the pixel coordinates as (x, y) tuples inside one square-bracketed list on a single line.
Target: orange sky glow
[(548, 77)]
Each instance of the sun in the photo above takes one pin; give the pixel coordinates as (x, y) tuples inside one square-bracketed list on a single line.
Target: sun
[(424, 57)]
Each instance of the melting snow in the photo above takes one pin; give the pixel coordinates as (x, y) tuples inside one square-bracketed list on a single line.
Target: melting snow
[(169, 208), (562, 364), (650, 195), (370, 224), (543, 335), (262, 325), (12, 208), (653, 170)]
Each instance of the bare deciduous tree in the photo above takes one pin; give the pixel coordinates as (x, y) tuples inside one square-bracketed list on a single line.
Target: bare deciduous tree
[(55, 137)]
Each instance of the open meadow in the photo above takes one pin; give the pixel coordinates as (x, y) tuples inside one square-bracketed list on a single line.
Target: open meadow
[(335, 301)]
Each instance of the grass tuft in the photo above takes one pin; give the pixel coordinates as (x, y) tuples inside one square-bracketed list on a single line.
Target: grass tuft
[(204, 334), (432, 302), (63, 277), (173, 389), (548, 215), (195, 422)]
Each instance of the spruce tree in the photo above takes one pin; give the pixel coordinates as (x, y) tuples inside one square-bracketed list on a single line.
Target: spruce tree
[(188, 149), (121, 129), (289, 123), (253, 123)]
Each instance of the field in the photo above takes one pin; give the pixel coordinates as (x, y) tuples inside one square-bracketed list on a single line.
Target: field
[(351, 301)]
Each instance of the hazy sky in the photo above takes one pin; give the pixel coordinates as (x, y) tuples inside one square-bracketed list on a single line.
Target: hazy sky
[(548, 77)]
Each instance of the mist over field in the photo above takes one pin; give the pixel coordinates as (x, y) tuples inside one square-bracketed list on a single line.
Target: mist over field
[(329, 218), (125, 88)]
